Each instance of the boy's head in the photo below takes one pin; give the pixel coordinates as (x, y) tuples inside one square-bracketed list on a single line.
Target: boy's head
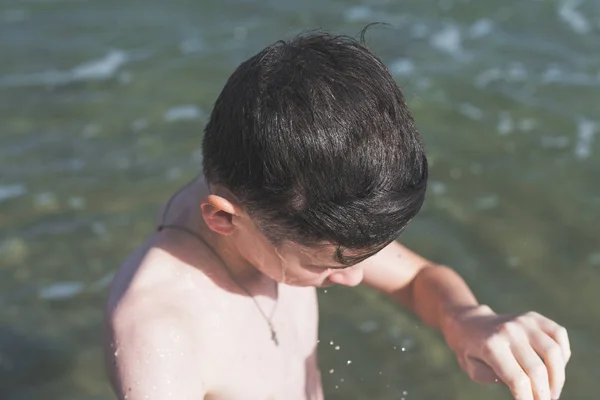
[(317, 147)]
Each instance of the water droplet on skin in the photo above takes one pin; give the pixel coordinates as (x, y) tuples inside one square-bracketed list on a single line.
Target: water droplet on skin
[(117, 353)]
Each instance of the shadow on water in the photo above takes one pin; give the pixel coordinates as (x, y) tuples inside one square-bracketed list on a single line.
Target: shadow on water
[(28, 360)]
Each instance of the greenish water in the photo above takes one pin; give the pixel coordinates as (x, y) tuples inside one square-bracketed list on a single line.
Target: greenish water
[(102, 105)]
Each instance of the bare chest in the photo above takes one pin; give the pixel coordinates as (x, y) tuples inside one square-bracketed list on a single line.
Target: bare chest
[(249, 364)]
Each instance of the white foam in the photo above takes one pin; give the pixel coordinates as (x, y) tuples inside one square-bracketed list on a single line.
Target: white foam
[(448, 40), (586, 130), (100, 69), (481, 28), (46, 200), (12, 191), (192, 45), (183, 112), (61, 291), (437, 187), (358, 13), (487, 202), (505, 123), (402, 67), (516, 72), (568, 12), (552, 74), (470, 111)]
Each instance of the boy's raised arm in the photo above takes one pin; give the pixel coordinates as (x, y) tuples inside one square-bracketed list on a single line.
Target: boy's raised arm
[(527, 352)]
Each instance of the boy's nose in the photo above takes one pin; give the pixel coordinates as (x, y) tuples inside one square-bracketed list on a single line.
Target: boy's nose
[(348, 277)]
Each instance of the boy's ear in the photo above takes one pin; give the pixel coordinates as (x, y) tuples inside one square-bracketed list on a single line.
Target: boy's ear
[(218, 213)]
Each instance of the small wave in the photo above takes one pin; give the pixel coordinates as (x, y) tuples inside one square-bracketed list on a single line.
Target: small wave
[(11, 191), (61, 291), (192, 45), (358, 13), (449, 40), (481, 28), (184, 112), (101, 69), (470, 111), (568, 12), (586, 130), (505, 123), (402, 67), (488, 202)]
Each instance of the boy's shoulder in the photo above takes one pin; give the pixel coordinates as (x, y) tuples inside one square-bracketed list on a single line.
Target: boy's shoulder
[(150, 316), (157, 279)]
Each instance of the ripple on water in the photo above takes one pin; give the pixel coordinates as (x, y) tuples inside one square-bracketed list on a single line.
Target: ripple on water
[(449, 40), (100, 69), (567, 11), (12, 191), (481, 27), (61, 291), (183, 112), (402, 67), (586, 130)]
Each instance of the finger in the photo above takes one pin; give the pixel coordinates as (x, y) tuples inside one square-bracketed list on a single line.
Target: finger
[(551, 353), (534, 367), (498, 355), (556, 332)]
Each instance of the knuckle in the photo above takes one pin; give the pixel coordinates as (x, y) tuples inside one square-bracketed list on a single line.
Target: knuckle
[(509, 329), (538, 372), (560, 331), (519, 382), (490, 347), (552, 351), (531, 315)]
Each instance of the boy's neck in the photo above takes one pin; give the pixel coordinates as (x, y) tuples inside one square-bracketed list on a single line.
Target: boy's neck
[(244, 273)]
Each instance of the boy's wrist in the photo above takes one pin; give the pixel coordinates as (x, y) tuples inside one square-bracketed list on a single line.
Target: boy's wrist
[(451, 318)]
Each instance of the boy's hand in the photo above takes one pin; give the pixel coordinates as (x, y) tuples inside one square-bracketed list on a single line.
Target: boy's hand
[(527, 352)]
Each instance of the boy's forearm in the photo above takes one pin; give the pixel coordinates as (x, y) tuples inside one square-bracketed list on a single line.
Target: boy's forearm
[(435, 294)]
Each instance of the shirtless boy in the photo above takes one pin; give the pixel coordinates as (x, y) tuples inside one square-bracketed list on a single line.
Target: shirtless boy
[(312, 168)]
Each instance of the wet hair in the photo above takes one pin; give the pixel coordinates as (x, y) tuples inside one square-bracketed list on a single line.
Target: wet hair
[(314, 137)]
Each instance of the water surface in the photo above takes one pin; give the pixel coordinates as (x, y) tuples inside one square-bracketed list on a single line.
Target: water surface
[(102, 106)]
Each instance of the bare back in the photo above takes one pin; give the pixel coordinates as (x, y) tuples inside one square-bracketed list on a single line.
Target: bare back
[(178, 327)]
